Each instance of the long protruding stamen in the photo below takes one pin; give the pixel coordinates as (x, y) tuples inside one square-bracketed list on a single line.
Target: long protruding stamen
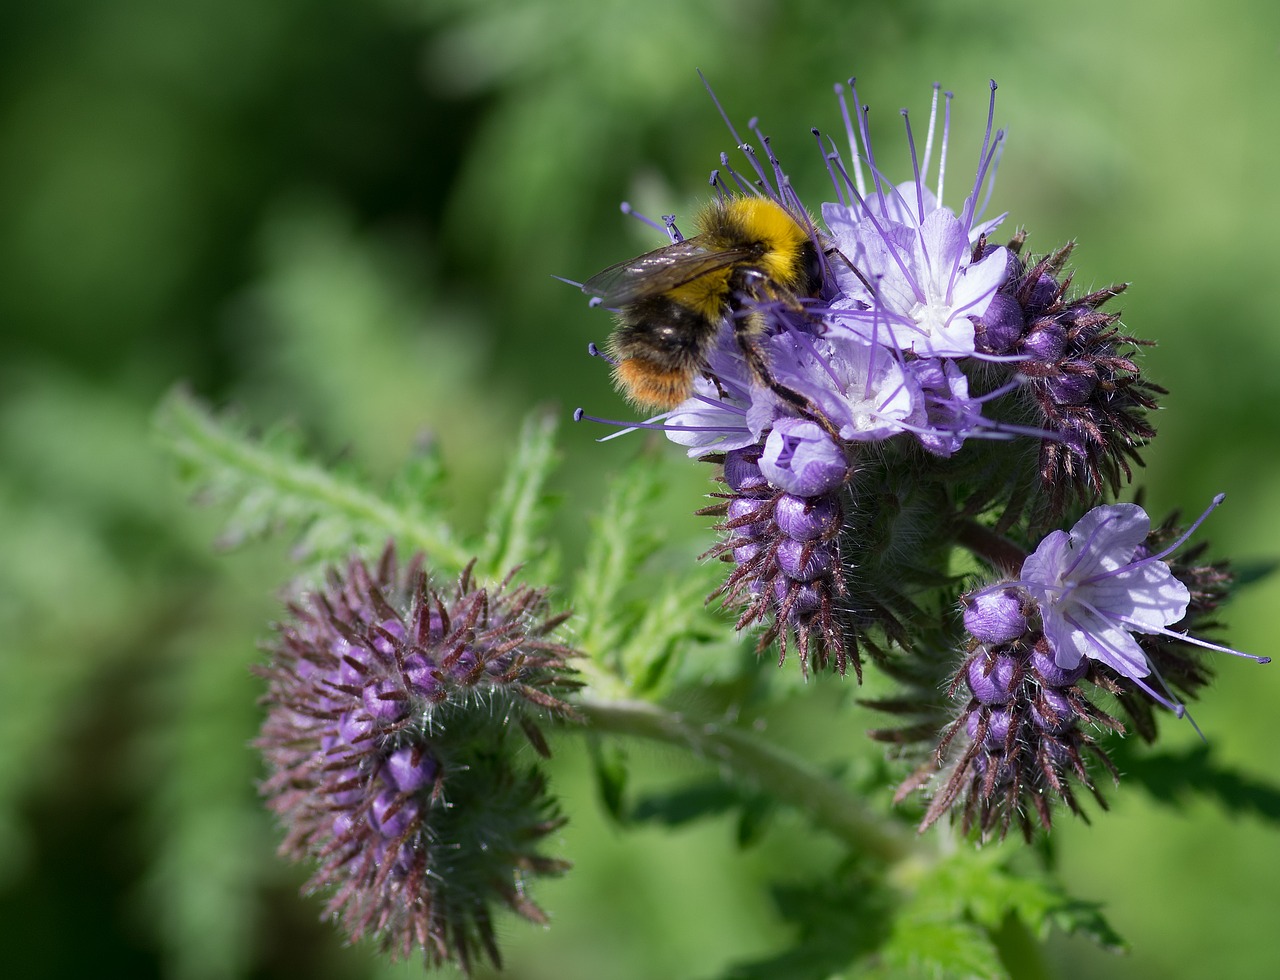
[(674, 233), (1193, 640), (1102, 576), (915, 168), (656, 424), (626, 208), (855, 158), (1213, 505), (864, 112), (928, 138), (984, 160), (946, 136)]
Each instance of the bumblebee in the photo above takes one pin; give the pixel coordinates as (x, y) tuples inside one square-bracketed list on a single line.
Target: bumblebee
[(673, 301)]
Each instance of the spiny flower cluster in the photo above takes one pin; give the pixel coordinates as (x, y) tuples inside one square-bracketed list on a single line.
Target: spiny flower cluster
[(935, 391), (389, 739), (1091, 605)]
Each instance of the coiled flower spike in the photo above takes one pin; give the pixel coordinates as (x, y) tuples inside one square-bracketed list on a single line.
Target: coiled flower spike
[(393, 767)]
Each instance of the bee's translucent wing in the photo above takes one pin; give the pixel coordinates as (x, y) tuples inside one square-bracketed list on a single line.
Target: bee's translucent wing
[(657, 271)]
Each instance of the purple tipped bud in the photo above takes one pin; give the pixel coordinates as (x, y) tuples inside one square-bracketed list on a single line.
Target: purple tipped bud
[(413, 851), (995, 615), (992, 678), (748, 511), (804, 597), (421, 675), (800, 458), (804, 561), (1071, 389), (741, 472), (356, 728), (385, 701), (999, 721), (1046, 341), (1000, 327), (347, 788), (1053, 713), (807, 518), (407, 775), (392, 814), (1042, 293), (1050, 674)]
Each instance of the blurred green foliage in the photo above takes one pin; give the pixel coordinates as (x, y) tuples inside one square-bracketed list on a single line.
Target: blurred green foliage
[(346, 215)]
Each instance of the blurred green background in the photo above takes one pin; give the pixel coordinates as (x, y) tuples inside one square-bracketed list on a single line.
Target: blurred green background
[(348, 214)]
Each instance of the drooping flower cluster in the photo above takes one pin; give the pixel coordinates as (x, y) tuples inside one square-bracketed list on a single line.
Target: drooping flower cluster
[(391, 743), (940, 391)]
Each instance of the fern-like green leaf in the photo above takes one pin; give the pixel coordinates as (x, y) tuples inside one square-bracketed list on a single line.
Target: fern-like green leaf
[(273, 488), (519, 513)]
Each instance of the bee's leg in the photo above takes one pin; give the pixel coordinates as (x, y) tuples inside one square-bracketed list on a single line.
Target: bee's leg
[(749, 331), (720, 389), (852, 268)]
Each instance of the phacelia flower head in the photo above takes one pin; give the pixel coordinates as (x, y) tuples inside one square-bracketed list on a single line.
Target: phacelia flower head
[(395, 715)]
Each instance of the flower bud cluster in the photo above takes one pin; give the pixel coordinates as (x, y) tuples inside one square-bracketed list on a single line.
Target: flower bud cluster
[(389, 742), (1096, 603), (785, 547), (1024, 730), (1089, 394)]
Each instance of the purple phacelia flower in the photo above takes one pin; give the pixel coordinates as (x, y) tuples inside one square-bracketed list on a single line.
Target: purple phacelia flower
[(1098, 585), (393, 715), (909, 274), (860, 390)]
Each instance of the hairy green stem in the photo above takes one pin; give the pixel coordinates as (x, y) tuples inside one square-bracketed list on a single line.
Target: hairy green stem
[(993, 548), (787, 777)]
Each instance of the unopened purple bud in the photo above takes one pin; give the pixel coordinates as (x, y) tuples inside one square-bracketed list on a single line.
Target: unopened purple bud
[(999, 721), (1045, 341), (342, 824), (349, 674), (805, 598), (807, 518), (745, 552), (805, 561), (1051, 675), (465, 663), (407, 775), (347, 789), (742, 473), (420, 673), (995, 615), (1001, 324), (800, 458), (992, 678), (1072, 389), (747, 510), (391, 820), (1043, 292), (1004, 770), (355, 727), (385, 701), (1057, 715)]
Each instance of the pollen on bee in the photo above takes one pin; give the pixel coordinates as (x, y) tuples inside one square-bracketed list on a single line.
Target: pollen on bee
[(650, 387)]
